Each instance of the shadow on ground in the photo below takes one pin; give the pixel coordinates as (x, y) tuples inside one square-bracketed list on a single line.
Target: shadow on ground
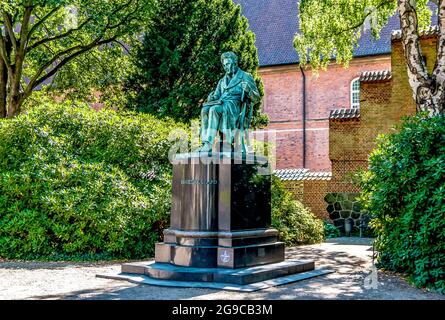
[(351, 261)]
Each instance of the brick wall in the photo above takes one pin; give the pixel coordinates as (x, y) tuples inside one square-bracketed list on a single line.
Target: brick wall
[(382, 105), (283, 104), (309, 192)]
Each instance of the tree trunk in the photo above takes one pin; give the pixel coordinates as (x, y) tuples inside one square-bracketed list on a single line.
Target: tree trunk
[(427, 92), (14, 101), (438, 74), (3, 91), (15, 96), (14, 107)]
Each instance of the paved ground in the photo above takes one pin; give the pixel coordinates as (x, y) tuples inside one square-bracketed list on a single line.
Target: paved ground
[(350, 257)]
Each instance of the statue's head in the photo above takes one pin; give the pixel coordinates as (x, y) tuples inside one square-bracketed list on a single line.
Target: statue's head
[(229, 61)]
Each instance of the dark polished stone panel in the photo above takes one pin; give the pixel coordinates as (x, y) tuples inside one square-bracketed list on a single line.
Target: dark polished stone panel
[(248, 247), (195, 197), (244, 197), (220, 202), (237, 242), (247, 256), (220, 193)]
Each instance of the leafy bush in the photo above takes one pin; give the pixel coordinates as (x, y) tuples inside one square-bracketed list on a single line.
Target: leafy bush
[(330, 231), (76, 183), (404, 191), (296, 224)]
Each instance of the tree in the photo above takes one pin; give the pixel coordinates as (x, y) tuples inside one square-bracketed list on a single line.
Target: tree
[(404, 191), (178, 63), (41, 38), (331, 28)]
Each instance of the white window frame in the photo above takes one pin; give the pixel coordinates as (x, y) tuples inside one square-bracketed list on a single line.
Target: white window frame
[(352, 91)]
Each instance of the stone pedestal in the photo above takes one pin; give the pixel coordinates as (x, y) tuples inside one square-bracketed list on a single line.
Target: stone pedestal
[(221, 215)]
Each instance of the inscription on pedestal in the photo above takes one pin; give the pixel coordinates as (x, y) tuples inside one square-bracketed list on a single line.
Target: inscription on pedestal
[(195, 181)]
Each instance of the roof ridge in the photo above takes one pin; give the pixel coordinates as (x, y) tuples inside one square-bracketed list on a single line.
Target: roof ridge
[(345, 113), (430, 31), (377, 75), (302, 174)]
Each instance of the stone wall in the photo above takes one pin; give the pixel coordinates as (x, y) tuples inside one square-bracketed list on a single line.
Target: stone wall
[(342, 207)]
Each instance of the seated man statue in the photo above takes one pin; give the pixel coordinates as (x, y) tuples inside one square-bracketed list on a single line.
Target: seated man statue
[(228, 109)]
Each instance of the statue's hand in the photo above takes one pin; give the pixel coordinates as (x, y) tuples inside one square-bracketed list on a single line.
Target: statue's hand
[(245, 86), (212, 97), (246, 90)]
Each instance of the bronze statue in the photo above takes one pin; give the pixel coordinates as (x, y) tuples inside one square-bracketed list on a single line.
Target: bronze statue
[(228, 110)]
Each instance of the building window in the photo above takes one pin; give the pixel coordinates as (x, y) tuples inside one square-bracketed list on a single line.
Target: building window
[(355, 93)]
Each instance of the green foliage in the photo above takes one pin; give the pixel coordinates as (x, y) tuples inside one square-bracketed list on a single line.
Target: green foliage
[(178, 63), (74, 45), (404, 191), (76, 183), (330, 231), (296, 224), (331, 28)]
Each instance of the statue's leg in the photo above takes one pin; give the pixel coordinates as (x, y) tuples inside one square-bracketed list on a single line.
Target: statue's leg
[(228, 132), (214, 118), (204, 123)]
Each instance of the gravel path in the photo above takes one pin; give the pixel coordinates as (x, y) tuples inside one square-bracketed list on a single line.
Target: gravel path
[(350, 257)]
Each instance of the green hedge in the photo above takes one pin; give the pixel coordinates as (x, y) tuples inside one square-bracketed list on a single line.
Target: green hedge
[(404, 191), (296, 224), (80, 184), (330, 231)]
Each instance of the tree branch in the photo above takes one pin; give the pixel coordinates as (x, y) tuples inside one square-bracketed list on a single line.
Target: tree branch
[(37, 80), (439, 68), (42, 20), (10, 30), (4, 53), (122, 45), (120, 8), (59, 36), (410, 39), (69, 32), (359, 24), (24, 29)]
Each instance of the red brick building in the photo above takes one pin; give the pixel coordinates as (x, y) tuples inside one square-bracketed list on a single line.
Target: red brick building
[(385, 99), (298, 104)]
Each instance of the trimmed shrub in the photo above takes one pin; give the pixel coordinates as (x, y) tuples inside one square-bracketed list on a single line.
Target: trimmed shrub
[(296, 224), (330, 231), (80, 184), (404, 191)]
